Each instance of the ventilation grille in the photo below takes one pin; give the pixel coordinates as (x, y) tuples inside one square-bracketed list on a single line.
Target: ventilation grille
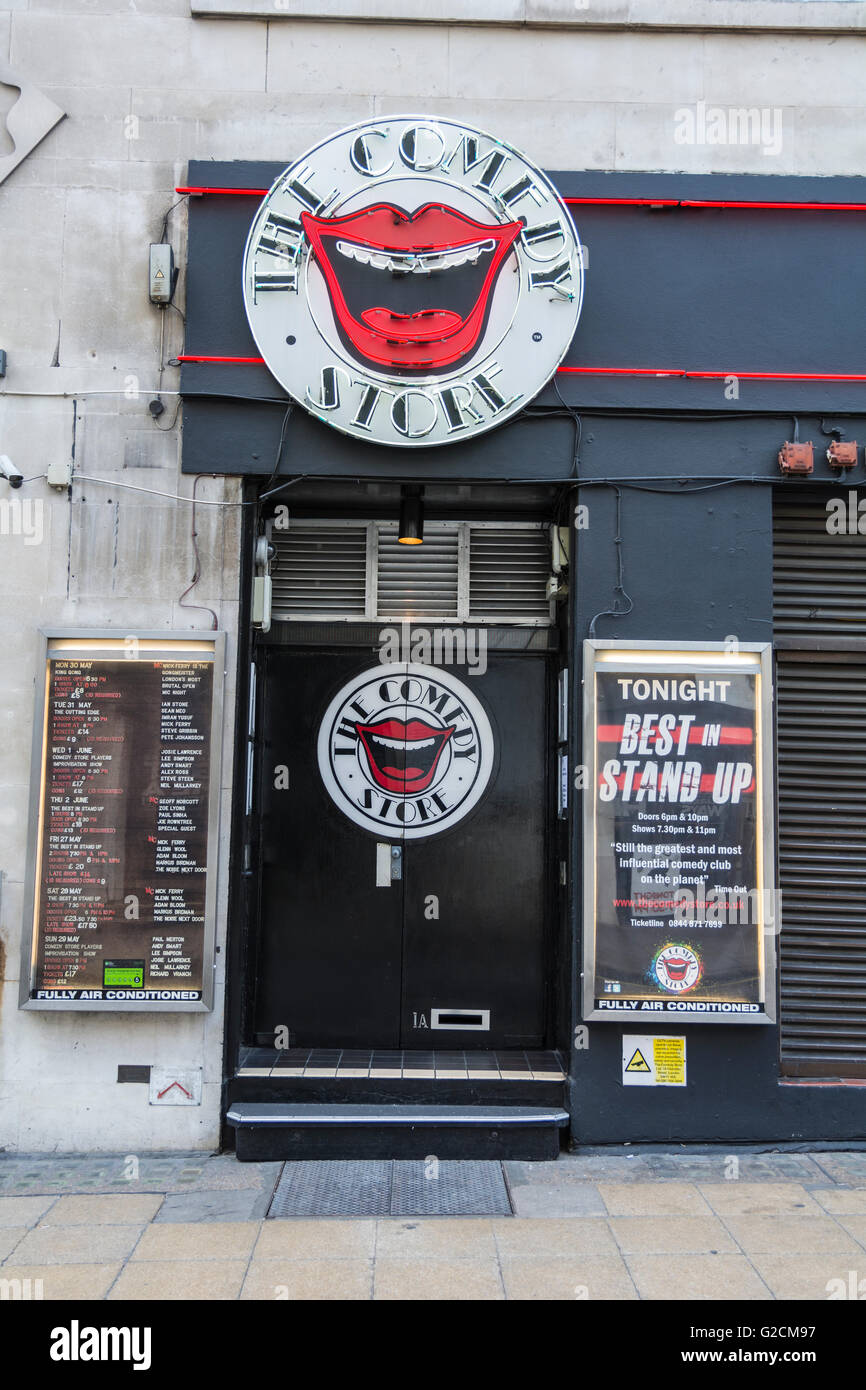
[(320, 572), (508, 573), (415, 580), (464, 572), (819, 580), (822, 862)]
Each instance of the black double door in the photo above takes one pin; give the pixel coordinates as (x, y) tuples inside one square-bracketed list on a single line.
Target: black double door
[(451, 954)]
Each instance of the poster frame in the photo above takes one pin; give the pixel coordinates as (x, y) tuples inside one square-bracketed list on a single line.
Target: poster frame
[(166, 644), (681, 659)]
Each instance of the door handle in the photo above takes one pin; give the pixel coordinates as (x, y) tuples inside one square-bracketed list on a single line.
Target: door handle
[(389, 864)]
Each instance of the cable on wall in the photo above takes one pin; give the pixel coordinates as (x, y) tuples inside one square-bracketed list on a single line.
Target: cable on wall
[(619, 591), (196, 575)]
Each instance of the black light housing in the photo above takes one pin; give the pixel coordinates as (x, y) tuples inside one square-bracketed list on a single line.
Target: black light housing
[(411, 528)]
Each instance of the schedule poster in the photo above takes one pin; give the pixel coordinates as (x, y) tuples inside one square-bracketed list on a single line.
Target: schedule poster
[(124, 834), (680, 912)]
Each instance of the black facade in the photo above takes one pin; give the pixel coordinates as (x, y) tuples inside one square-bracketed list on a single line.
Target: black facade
[(680, 476)]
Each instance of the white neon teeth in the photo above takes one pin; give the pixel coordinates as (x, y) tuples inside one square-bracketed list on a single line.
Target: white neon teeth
[(410, 263), (410, 744)]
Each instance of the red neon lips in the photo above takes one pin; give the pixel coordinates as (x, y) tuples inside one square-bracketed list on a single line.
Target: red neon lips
[(410, 291), (403, 756)]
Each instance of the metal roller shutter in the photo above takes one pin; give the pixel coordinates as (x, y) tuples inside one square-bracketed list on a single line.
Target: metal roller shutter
[(819, 585), (819, 580)]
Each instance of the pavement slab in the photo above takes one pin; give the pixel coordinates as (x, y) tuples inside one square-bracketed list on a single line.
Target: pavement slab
[(326, 1239), (23, 1211), (52, 1245), (248, 1204), (536, 1278), (814, 1276), (756, 1199), (291, 1280), (183, 1280), (440, 1280), (782, 1235), (10, 1237), (585, 1238), (187, 1241), (113, 1210), (559, 1199), (653, 1199), (698, 1277), (671, 1235), (452, 1238), (60, 1282)]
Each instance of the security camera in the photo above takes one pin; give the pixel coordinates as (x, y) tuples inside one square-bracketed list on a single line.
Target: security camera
[(13, 475)]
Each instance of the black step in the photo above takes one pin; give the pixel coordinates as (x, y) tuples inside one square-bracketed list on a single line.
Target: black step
[(407, 1090), (268, 1131)]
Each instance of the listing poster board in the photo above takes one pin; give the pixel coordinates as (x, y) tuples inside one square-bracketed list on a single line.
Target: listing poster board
[(680, 916), (123, 824)]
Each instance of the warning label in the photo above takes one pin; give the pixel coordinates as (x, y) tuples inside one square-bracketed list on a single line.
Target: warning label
[(638, 1062), (653, 1061)]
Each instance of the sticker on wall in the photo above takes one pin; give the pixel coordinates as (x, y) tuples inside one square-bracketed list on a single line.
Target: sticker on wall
[(676, 968), (405, 750), (413, 281), (170, 1086), (649, 1060)]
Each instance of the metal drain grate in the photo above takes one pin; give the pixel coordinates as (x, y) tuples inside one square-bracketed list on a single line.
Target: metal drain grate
[(439, 1187), (393, 1187)]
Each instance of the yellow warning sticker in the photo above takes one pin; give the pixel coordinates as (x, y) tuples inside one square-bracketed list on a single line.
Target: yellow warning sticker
[(669, 1061), (638, 1062), (651, 1060)]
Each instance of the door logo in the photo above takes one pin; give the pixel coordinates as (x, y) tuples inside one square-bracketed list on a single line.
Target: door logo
[(405, 751), (676, 968), (413, 281)]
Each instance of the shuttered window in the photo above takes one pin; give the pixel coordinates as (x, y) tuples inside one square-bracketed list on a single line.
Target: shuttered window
[(464, 572), (819, 587)]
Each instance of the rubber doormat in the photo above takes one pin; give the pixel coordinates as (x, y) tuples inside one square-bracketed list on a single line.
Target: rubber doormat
[(391, 1187)]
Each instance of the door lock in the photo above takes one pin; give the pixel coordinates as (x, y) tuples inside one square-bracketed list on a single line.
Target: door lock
[(396, 863)]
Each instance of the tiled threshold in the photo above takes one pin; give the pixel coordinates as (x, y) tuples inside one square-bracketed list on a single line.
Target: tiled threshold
[(375, 1065)]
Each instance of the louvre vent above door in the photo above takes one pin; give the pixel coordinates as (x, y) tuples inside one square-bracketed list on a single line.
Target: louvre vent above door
[(320, 572), (465, 571), (508, 572), (418, 580)]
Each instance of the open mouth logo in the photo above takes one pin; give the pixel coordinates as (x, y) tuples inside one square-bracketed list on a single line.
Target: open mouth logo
[(405, 751), (676, 968), (413, 281), (435, 271)]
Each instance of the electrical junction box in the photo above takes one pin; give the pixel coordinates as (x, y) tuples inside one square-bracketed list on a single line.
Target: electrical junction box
[(59, 473), (261, 606), (161, 273)]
